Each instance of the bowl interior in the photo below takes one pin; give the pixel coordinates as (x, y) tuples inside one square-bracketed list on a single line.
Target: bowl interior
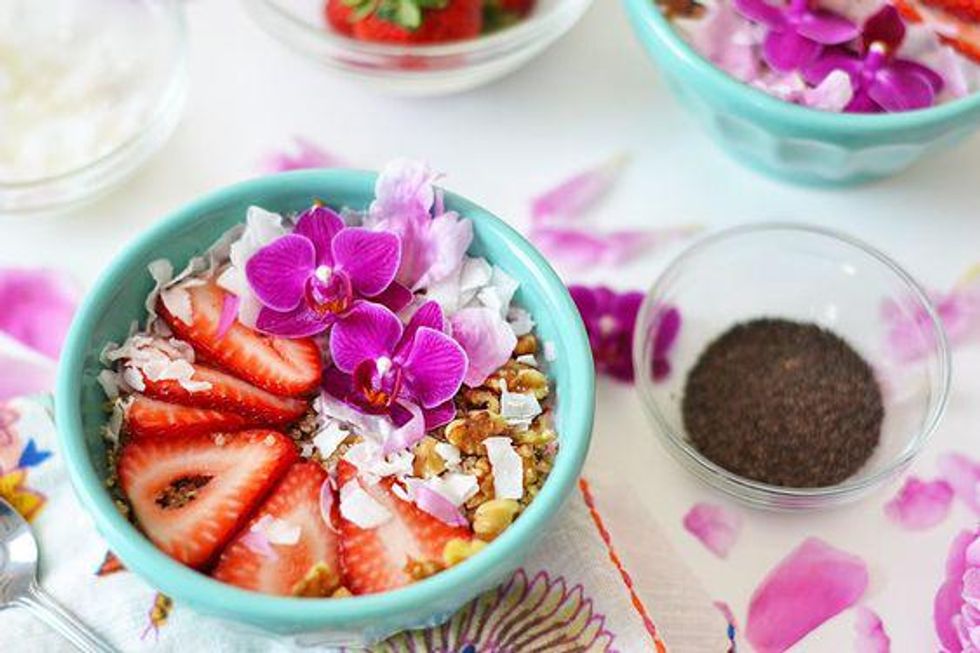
[(117, 300), (805, 275)]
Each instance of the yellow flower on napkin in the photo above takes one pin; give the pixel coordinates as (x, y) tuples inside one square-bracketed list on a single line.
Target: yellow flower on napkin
[(24, 500)]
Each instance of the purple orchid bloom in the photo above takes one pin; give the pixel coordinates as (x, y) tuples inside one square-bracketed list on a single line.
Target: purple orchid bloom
[(308, 279), (610, 321), (797, 34), (383, 365), (881, 81)]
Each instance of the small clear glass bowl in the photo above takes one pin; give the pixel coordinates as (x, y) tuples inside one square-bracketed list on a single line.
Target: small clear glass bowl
[(808, 275), (417, 70), (162, 20)]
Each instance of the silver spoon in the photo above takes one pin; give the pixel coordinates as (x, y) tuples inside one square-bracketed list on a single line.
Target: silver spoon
[(19, 588)]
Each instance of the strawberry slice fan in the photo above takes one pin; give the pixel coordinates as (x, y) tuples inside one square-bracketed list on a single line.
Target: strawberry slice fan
[(956, 21)]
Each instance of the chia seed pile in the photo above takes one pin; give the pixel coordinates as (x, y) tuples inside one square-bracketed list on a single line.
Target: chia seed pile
[(784, 403)]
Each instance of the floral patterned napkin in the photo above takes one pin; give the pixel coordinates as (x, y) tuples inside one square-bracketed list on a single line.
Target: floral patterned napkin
[(604, 579)]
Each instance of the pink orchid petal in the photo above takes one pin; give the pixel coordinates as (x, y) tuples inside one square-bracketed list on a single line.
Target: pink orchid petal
[(440, 415), (895, 91), (487, 340), (303, 155), (320, 224), (582, 247), (728, 41), (404, 187), (368, 332), (327, 500), (428, 315), (298, 323), (870, 635), (827, 28), (812, 584), (788, 51), (963, 476), (370, 258), (716, 527), (229, 313), (949, 604), (760, 11), (38, 306), (574, 196), (258, 542), (433, 503), (448, 236), (395, 297), (434, 367), (920, 505), (884, 26), (279, 271), (408, 434), (24, 371)]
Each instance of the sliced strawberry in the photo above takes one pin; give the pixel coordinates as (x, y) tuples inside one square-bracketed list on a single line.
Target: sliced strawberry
[(283, 366), (458, 20), (374, 560), (339, 16), (150, 418), (520, 7), (192, 493), (295, 500), (230, 394)]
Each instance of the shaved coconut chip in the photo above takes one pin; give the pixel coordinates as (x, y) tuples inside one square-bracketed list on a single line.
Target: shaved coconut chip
[(368, 426), (449, 453), (109, 381), (329, 437), (507, 467), (113, 426), (455, 487), (155, 359), (261, 228), (520, 321), (528, 359), (359, 508), (518, 408), (461, 286), (326, 504), (306, 449), (368, 458), (499, 292), (436, 505), (277, 531), (257, 542)]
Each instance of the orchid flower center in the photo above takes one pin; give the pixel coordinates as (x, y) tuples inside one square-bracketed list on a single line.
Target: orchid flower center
[(329, 291), (608, 325), (377, 383), (877, 52)]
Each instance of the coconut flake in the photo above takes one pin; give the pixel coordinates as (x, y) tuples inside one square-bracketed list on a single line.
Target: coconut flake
[(360, 508), (367, 456), (257, 542), (520, 321), (326, 504), (518, 408), (155, 359), (109, 381), (527, 359), (329, 437), (261, 228), (507, 467), (449, 453), (277, 531)]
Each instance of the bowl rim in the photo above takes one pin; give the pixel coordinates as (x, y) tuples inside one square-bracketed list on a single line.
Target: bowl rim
[(533, 28), (170, 100), (848, 487), (645, 15), (173, 578)]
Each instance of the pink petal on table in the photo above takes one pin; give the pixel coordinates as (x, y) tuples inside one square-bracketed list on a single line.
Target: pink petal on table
[(302, 155), (487, 340), (809, 586), (433, 503), (870, 636), (588, 247), (37, 308), (920, 504), (963, 476), (575, 195), (23, 371), (716, 527), (229, 313)]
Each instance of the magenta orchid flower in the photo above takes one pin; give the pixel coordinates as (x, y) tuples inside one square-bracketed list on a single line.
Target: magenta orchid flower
[(408, 205), (797, 34), (956, 607), (881, 81), (384, 365), (307, 280)]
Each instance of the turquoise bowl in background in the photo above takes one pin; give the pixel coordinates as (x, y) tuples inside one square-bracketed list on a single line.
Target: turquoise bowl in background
[(792, 142), (117, 300)]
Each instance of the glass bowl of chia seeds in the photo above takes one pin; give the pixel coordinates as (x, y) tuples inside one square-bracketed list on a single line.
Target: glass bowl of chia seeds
[(808, 370)]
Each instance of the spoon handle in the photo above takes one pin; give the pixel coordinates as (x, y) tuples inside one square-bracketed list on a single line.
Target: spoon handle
[(47, 609)]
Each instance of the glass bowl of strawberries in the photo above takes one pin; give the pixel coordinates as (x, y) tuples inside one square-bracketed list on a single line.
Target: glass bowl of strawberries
[(419, 47)]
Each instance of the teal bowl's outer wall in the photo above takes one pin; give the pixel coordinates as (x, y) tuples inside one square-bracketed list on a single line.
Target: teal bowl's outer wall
[(117, 300), (792, 142)]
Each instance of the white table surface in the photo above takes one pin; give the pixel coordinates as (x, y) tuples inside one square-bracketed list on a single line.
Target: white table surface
[(591, 96)]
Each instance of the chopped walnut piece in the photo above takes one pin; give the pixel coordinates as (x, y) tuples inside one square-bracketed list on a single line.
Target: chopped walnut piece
[(422, 569), (428, 462), (341, 593), (470, 431), (493, 517), (530, 380), (534, 437), (481, 398), (457, 550), (526, 344), (320, 581)]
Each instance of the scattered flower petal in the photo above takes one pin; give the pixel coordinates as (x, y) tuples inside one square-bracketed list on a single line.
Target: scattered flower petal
[(584, 247), (38, 306), (507, 466), (261, 228), (963, 476), (919, 504), (812, 584), (439, 507), (229, 313), (257, 542), (302, 155), (953, 615), (407, 435), (487, 340), (716, 527), (870, 635), (360, 508), (571, 198)]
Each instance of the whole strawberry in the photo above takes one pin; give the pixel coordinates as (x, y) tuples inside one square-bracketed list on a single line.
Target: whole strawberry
[(415, 21)]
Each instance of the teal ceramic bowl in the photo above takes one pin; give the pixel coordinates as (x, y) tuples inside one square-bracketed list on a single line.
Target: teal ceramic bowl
[(788, 141), (117, 300)]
